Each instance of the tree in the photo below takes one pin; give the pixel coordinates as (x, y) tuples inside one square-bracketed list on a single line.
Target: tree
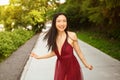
[(102, 15), (72, 9), (18, 11)]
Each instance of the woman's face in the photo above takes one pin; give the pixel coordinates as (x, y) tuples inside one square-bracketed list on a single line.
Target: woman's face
[(61, 23)]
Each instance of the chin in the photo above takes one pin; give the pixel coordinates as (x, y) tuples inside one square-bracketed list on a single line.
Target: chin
[(61, 29)]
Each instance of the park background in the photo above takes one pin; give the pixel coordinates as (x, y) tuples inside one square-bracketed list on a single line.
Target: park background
[(96, 22)]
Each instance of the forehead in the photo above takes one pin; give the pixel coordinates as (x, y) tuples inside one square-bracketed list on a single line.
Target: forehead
[(61, 17)]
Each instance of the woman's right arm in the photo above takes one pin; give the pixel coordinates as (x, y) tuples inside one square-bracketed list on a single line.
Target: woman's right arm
[(48, 55)]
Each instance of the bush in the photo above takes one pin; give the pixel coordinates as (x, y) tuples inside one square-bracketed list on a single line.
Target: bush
[(10, 41)]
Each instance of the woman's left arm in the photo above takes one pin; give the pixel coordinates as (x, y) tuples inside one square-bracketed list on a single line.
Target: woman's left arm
[(79, 52)]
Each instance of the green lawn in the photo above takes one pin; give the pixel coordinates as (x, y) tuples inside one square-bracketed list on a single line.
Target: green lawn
[(110, 47)]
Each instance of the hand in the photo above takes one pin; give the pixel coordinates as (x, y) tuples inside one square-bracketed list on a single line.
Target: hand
[(34, 55), (90, 67)]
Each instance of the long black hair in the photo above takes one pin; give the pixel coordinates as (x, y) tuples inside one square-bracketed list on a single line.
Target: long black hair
[(52, 33)]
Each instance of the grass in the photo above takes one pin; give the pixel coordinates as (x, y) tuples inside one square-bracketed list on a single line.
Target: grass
[(110, 47)]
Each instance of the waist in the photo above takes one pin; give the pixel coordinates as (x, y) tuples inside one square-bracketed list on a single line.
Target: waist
[(65, 57)]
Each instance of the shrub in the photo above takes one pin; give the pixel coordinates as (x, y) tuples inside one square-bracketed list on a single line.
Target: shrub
[(10, 41)]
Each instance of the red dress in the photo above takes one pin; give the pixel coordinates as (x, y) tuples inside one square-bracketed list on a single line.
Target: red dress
[(67, 66)]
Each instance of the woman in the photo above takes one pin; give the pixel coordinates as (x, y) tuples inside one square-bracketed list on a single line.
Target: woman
[(62, 42)]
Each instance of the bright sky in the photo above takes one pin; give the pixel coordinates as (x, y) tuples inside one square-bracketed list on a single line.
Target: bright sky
[(62, 1), (4, 2)]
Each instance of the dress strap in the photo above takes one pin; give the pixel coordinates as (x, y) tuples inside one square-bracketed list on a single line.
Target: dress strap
[(70, 38)]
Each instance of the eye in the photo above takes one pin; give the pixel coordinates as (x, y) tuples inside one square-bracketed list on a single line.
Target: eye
[(64, 21), (58, 21)]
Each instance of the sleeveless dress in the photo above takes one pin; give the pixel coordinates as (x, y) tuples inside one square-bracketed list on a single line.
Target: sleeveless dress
[(67, 66)]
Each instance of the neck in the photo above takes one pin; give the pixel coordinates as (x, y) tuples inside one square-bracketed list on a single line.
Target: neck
[(61, 33)]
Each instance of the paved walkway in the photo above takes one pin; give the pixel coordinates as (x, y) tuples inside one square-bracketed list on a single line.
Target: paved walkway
[(105, 67), (12, 67)]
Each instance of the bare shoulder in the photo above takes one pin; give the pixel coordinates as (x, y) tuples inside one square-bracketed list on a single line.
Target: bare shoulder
[(72, 35)]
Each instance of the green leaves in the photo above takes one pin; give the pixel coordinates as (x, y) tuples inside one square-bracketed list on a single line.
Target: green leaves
[(36, 16), (112, 3), (5, 40), (23, 13), (95, 15), (10, 41)]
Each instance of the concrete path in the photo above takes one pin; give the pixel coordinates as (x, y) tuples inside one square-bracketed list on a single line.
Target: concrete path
[(105, 67), (12, 67)]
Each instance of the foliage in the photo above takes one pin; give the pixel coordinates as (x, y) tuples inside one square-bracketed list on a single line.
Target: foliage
[(72, 11), (34, 18), (23, 13), (95, 15), (10, 41), (102, 15), (110, 47)]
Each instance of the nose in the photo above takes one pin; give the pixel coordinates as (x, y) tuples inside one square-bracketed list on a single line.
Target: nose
[(62, 22)]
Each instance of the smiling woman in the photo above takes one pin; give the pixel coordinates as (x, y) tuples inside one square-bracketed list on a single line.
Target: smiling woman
[(4, 2), (62, 43)]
